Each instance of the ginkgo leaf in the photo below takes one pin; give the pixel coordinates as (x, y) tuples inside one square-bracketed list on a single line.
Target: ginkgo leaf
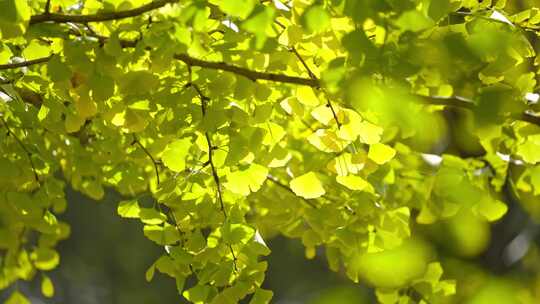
[(240, 9), (369, 133), (315, 18), (491, 209), (352, 128), (381, 153), (246, 181), (149, 275), (151, 216), (274, 134), (36, 50), (47, 287), (162, 235), (17, 298), (261, 296), (45, 258), (307, 186), (237, 233), (323, 114), (129, 209), (73, 123), (260, 20), (414, 20), (326, 141), (174, 155), (354, 182), (197, 294), (528, 149), (307, 96)]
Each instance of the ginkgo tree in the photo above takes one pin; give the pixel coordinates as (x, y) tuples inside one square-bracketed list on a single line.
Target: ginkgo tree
[(328, 121)]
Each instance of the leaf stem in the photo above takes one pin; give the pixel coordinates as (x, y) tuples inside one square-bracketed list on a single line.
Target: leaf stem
[(154, 162), (21, 144), (204, 100), (313, 77), (283, 186)]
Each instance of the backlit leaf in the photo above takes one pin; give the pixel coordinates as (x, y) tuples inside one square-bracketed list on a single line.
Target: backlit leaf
[(307, 186), (129, 209), (381, 153), (175, 153)]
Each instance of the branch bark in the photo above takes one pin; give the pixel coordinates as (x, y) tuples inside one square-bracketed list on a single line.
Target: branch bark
[(250, 74), (108, 16), (26, 63)]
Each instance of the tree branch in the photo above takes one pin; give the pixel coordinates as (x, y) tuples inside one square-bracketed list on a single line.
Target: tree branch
[(250, 74), (106, 16), (25, 63), (469, 105)]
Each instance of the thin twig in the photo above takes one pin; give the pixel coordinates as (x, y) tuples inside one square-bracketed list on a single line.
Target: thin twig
[(204, 100), (234, 258), (28, 153), (154, 162), (47, 7), (303, 62), (283, 186), (313, 77), (329, 104)]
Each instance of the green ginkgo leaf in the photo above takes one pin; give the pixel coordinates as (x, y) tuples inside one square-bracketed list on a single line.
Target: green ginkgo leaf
[(151, 216), (260, 21), (246, 181), (240, 9), (162, 235), (316, 18), (17, 298), (36, 50), (174, 155), (491, 209), (129, 209), (261, 296)]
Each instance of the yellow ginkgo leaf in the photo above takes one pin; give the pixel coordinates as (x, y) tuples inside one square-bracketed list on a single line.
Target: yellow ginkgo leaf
[(354, 182), (307, 186), (381, 153), (307, 96)]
